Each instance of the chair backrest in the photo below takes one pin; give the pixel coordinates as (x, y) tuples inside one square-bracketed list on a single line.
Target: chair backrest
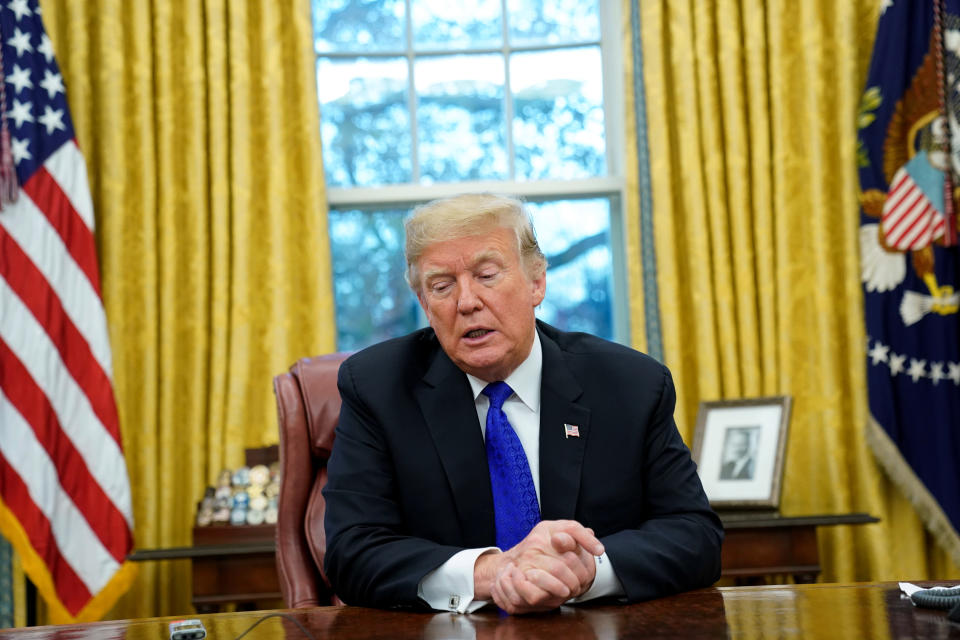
[(308, 408)]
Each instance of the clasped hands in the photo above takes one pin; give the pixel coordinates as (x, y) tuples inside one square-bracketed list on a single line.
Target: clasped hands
[(554, 563)]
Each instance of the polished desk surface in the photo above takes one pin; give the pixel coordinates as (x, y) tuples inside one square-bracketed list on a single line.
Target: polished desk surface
[(874, 610), (237, 564)]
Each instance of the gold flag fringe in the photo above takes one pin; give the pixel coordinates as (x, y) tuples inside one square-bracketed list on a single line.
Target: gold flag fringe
[(936, 521)]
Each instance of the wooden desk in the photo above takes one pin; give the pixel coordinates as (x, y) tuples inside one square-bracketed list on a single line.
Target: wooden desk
[(758, 545), (797, 611), (230, 564), (238, 564)]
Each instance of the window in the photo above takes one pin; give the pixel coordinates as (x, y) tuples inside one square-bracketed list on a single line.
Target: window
[(421, 99)]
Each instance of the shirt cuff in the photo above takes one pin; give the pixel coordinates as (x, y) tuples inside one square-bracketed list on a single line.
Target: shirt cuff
[(605, 582), (449, 587)]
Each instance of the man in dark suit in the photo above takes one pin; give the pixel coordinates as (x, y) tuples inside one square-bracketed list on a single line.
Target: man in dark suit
[(601, 500), (738, 454)]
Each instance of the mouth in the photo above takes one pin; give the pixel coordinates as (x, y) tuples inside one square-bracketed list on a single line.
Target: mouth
[(477, 333)]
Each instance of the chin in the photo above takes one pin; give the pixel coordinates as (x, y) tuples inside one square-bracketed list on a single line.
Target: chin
[(482, 367), (486, 372)]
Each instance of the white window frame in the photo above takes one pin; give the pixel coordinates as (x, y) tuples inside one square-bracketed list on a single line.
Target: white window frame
[(610, 186)]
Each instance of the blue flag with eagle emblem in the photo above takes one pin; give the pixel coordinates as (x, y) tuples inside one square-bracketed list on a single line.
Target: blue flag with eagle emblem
[(909, 161)]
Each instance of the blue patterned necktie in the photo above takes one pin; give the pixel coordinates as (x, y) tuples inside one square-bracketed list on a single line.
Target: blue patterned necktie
[(515, 506)]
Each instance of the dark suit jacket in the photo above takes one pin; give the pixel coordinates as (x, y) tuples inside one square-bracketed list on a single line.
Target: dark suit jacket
[(746, 472), (409, 487)]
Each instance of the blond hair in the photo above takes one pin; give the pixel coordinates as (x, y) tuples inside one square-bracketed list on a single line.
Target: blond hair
[(470, 214)]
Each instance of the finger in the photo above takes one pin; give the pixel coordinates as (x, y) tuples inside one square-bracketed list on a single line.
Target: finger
[(504, 603), (506, 584), (562, 541), (526, 596), (586, 539), (588, 560), (550, 583), (570, 569), (581, 564), (536, 597), (499, 597), (576, 570), (588, 563), (554, 538), (557, 566)]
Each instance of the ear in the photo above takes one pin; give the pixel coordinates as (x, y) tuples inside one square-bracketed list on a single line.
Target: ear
[(539, 288)]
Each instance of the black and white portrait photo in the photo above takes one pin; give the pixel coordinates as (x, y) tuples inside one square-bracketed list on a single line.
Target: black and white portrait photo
[(739, 453), (739, 446)]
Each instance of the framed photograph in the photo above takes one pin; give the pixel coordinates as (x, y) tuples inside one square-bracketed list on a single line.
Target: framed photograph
[(739, 449)]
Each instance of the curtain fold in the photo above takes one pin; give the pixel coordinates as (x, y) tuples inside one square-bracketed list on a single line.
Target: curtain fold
[(200, 126), (751, 109), (644, 317)]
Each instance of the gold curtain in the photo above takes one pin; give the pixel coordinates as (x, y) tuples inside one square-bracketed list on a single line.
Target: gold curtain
[(751, 109), (200, 127)]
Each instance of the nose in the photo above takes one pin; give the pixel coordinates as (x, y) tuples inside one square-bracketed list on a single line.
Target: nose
[(468, 301)]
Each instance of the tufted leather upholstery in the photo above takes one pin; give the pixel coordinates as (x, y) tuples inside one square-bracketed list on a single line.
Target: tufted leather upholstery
[(308, 408)]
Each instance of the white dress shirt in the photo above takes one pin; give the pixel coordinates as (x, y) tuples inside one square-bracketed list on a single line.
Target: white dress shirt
[(449, 587)]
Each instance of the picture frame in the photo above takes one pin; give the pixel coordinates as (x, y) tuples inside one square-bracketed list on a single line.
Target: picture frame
[(739, 447)]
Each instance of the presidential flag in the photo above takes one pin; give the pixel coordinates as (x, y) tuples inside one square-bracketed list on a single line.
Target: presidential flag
[(909, 157), (64, 491)]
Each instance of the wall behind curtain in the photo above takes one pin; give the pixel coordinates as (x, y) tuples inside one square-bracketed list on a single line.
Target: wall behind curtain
[(199, 123), (751, 109)]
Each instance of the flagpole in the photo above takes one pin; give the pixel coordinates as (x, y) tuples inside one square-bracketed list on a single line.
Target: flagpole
[(950, 233)]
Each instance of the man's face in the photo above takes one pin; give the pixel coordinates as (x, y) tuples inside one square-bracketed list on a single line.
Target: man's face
[(739, 444), (480, 302)]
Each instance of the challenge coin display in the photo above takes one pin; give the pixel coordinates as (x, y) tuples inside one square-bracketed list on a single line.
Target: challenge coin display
[(245, 496)]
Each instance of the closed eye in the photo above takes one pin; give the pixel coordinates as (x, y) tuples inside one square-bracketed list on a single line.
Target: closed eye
[(488, 275), (439, 288)]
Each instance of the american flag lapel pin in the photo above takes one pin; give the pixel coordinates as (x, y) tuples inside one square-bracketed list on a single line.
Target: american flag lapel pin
[(571, 431)]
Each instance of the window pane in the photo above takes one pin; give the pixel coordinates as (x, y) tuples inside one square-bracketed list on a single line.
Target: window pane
[(558, 114), (553, 21), (457, 24), (364, 121), (358, 25), (372, 298), (575, 236), (460, 118)]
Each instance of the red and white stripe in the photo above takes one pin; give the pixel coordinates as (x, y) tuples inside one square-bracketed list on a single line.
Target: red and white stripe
[(909, 221), (64, 477)]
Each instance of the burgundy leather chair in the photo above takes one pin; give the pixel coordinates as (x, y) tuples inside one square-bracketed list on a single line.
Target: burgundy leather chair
[(308, 407)]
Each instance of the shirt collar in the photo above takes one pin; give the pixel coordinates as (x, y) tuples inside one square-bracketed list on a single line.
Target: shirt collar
[(525, 379)]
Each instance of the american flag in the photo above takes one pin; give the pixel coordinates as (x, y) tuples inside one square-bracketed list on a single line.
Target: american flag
[(910, 220), (64, 491), (571, 431)]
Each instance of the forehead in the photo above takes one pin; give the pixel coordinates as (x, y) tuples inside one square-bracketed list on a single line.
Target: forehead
[(466, 252)]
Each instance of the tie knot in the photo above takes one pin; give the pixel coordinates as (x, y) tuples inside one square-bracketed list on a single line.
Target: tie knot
[(497, 392)]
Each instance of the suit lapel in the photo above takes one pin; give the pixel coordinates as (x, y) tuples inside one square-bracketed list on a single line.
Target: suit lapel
[(449, 409), (561, 457)]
